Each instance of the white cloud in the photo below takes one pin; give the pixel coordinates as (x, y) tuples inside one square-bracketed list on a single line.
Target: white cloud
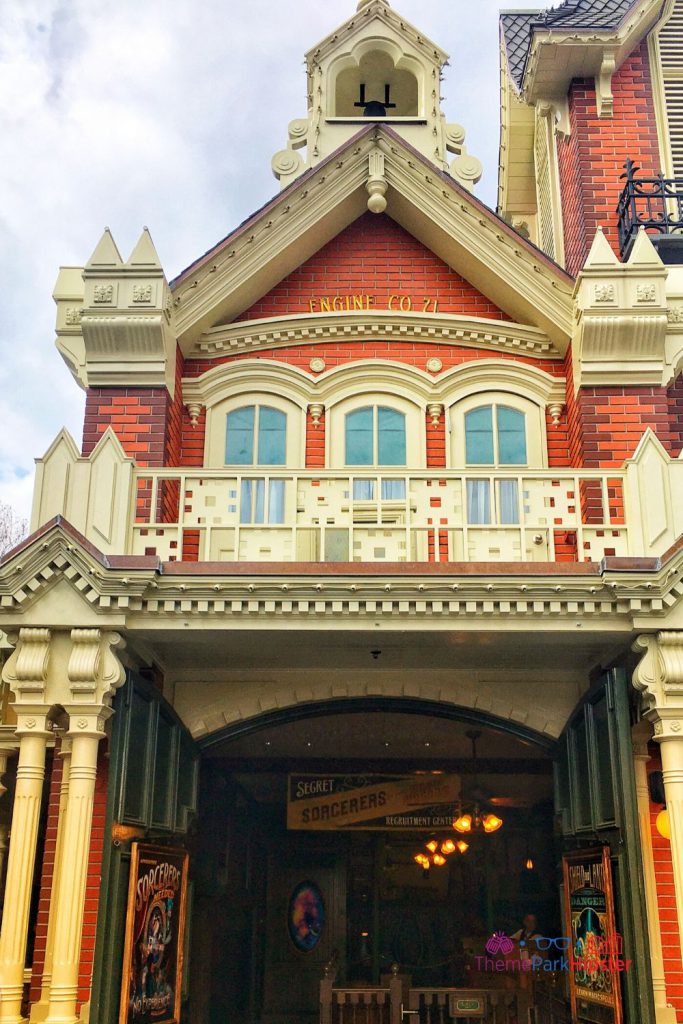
[(166, 113)]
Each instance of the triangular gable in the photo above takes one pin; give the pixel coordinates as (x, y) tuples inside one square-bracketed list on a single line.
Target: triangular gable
[(374, 264), (433, 208)]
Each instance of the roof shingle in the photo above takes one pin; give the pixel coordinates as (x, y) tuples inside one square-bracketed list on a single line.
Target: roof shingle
[(518, 26)]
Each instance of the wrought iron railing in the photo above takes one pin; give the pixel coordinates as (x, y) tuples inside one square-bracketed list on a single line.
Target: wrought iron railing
[(655, 204)]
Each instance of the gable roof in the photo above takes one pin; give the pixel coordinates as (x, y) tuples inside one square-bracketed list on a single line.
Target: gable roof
[(428, 203)]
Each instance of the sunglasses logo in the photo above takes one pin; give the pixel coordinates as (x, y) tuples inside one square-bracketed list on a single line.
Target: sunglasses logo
[(499, 943)]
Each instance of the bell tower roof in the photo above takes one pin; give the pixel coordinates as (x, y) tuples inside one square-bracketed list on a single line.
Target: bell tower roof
[(376, 67)]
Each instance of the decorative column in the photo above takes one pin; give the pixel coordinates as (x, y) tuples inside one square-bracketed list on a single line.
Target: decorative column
[(641, 735), (94, 674), (39, 1009), (27, 670), (5, 754), (660, 678)]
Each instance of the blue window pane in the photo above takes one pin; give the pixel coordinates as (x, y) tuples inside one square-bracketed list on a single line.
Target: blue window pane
[(363, 490), (276, 502), (478, 502), (393, 490), (359, 438), (272, 432), (479, 436), (511, 437), (391, 444), (239, 444), (509, 502), (259, 501), (245, 501)]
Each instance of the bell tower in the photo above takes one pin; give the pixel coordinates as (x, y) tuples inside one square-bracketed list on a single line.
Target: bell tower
[(376, 67)]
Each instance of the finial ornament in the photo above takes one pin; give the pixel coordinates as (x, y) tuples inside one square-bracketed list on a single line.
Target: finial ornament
[(366, 3)]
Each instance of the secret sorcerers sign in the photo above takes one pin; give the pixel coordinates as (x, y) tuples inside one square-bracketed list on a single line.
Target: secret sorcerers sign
[(386, 802), (155, 925)]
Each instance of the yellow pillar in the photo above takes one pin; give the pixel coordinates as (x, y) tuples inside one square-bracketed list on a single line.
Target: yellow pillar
[(664, 1013), (672, 767), (659, 677), (66, 915), (39, 1009), (34, 734), (5, 755)]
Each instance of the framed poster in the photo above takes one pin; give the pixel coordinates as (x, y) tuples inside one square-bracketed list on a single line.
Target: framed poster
[(306, 916), (151, 984), (597, 949)]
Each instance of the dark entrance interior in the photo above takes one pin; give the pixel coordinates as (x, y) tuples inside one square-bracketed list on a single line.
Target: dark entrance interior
[(381, 908)]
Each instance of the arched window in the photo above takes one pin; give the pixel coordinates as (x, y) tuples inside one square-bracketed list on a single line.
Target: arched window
[(495, 435), (256, 435), (375, 436)]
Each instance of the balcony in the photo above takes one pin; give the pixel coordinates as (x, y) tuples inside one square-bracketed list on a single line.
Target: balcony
[(655, 204), (432, 515), (338, 517)]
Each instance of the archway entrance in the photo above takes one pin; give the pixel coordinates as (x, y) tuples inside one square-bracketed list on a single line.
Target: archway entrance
[(307, 871)]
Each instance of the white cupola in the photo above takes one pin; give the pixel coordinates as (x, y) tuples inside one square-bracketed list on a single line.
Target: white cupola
[(375, 68)]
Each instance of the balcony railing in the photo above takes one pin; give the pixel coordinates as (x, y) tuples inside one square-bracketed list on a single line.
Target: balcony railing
[(653, 203), (312, 515), (436, 515)]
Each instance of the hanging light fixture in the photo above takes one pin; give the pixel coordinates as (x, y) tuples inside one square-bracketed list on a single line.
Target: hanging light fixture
[(474, 820), (529, 864), (448, 847), (462, 846)]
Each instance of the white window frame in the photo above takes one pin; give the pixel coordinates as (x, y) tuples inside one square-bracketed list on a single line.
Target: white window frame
[(216, 427), (415, 433), (536, 439)]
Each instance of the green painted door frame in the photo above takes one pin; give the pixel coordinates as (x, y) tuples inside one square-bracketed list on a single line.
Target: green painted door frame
[(153, 775), (597, 805)]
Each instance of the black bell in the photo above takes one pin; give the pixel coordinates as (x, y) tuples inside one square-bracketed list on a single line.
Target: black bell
[(374, 108)]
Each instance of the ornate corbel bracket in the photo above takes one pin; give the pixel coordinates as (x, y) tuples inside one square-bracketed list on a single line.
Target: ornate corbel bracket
[(25, 672), (603, 84), (556, 409), (377, 185), (194, 410), (435, 410), (316, 409), (94, 671), (659, 677)]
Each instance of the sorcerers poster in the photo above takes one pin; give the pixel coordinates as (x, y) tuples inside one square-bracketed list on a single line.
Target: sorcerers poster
[(153, 954), (597, 950)]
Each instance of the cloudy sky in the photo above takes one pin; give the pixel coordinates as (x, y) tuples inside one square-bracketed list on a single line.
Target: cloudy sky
[(164, 113)]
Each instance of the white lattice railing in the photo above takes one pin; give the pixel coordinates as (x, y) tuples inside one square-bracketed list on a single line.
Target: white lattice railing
[(333, 516), (325, 515)]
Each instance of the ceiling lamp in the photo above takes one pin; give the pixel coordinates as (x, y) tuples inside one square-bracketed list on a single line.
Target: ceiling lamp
[(473, 820), (462, 846), (491, 823), (438, 860), (448, 847), (423, 860), (433, 845)]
